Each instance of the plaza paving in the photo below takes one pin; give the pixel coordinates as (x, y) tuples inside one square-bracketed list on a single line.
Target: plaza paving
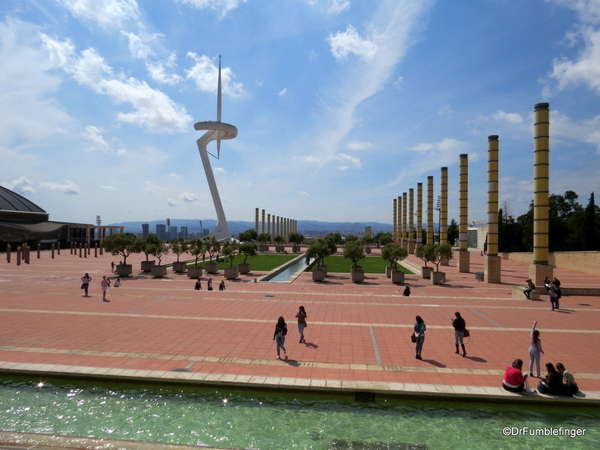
[(358, 335)]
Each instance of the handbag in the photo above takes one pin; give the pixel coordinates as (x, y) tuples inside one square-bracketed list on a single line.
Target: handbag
[(466, 333), (413, 338), (83, 286)]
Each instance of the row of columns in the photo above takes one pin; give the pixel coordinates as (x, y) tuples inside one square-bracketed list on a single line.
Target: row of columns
[(274, 225), (540, 268), (23, 251)]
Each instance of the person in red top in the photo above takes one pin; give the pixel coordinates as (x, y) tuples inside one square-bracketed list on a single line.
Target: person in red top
[(514, 380)]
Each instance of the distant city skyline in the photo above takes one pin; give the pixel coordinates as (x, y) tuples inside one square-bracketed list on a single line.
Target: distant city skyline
[(341, 105)]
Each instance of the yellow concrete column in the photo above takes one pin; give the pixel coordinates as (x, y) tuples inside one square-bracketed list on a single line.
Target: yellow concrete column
[(256, 220), (444, 212), (263, 221), (430, 210), (540, 268), (399, 239), (419, 214), (395, 217), (411, 221), (463, 254), (404, 221), (492, 262), (269, 224)]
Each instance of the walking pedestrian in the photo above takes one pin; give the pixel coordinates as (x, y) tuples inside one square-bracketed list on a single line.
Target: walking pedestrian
[(105, 285), (553, 292), (209, 284), (222, 285), (112, 266), (301, 316), (406, 292), (460, 326), (85, 283), (279, 336), (419, 331), (535, 349)]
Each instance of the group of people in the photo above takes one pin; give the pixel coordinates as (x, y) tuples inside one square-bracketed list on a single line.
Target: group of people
[(209, 285), (281, 331), (553, 288), (460, 332), (104, 285), (558, 380)]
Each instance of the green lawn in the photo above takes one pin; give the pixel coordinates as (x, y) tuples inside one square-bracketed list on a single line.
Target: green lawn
[(370, 264), (258, 263)]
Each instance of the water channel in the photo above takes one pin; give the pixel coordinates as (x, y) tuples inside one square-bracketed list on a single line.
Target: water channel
[(242, 419)]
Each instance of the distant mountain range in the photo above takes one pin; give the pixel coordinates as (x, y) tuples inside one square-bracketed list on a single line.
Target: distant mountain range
[(307, 227)]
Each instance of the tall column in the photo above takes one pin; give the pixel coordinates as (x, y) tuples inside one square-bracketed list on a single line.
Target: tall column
[(256, 220), (430, 210), (404, 221), (444, 212), (263, 221), (492, 272), (419, 214), (269, 224), (463, 254), (399, 220), (395, 217), (540, 268), (411, 221)]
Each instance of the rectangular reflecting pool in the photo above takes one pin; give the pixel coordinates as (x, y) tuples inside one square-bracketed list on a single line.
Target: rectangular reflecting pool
[(240, 419)]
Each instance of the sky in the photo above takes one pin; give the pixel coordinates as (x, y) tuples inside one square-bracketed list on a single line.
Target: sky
[(340, 105)]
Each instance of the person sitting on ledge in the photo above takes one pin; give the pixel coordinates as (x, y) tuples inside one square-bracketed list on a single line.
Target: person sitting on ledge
[(569, 387), (530, 288), (552, 384), (514, 380)]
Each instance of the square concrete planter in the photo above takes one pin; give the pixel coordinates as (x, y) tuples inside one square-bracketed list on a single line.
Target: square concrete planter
[(244, 268), (358, 275), (296, 248), (159, 271), (426, 272), (124, 270), (318, 275), (438, 277), (194, 272), (147, 265), (231, 273), (179, 267), (397, 276), (322, 267), (211, 267), (368, 250)]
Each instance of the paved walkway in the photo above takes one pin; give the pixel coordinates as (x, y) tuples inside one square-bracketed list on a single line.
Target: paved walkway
[(358, 337)]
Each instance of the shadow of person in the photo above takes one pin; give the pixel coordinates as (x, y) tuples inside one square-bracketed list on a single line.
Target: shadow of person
[(291, 362), (434, 363), (311, 345), (476, 359)]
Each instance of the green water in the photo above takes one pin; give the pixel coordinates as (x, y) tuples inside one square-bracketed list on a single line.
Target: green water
[(243, 420)]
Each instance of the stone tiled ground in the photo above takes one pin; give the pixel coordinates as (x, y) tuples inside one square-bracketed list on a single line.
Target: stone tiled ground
[(358, 335)]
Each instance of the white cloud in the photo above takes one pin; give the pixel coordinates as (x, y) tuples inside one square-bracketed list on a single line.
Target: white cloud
[(94, 134), (107, 13), (21, 185), (512, 118), (358, 145), (587, 131), (304, 194), (331, 6), (205, 74), (108, 188), (282, 92), (67, 187), (136, 47), (343, 43), (175, 176), (171, 202), (158, 71), (188, 197), (353, 160), (152, 109), (224, 6), (152, 188), (219, 170)]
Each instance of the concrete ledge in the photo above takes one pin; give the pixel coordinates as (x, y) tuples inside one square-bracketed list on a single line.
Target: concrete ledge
[(577, 291), (331, 387), (518, 293)]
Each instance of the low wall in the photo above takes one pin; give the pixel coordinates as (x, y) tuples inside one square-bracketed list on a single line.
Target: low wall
[(585, 262)]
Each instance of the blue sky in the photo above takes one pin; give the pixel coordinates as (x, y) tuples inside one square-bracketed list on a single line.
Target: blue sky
[(341, 105)]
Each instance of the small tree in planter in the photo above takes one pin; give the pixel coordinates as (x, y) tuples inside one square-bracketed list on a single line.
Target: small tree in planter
[(179, 246), (122, 244), (264, 239), (197, 248), (394, 253), (279, 241), (385, 238), (440, 252), (296, 239), (319, 249), (230, 251), (144, 245), (354, 251), (367, 242), (246, 249), (158, 250), (426, 253), (213, 247)]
